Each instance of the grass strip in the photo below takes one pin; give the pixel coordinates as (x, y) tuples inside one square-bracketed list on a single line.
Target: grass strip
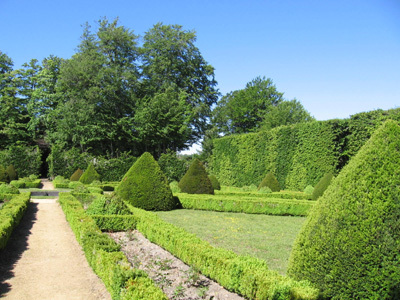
[(11, 214), (105, 257)]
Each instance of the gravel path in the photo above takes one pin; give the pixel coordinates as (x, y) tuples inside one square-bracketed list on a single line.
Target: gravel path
[(43, 260)]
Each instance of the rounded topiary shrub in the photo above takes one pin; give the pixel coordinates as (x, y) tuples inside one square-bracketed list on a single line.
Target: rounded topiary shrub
[(349, 245), (12, 174), (145, 186), (3, 175), (271, 182), (89, 175), (76, 175), (8, 189), (196, 180), (215, 183), (321, 186), (104, 205)]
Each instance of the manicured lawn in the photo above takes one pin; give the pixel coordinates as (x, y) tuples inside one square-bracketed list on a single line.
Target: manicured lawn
[(266, 237)]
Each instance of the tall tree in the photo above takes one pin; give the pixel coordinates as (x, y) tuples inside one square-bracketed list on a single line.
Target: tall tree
[(170, 58), (243, 110)]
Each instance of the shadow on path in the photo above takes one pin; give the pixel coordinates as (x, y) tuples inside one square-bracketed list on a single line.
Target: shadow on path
[(16, 246)]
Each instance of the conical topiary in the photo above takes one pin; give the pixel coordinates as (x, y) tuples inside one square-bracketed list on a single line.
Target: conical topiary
[(3, 174), (349, 245), (196, 180), (76, 175), (89, 175), (271, 182), (321, 186), (145, 186), (12, 174), (215, 183)]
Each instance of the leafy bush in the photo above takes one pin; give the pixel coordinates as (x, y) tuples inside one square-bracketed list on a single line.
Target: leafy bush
[(8, 189), (349, 245), (145, 186), (172, 166), (249, 188), (214, 181), (321, 186), (3, 175), (19, 184), (12, 174), (265, 190), (308, 190), (196, 180), (25, 159), (76, 175), (103, 205), (271, 182), (74, 184), (174, 185), (89, 175), (95, 189)]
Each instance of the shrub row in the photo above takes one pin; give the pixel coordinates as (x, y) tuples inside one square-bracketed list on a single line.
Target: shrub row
[(11, 214), (104, 256), (249, 205), (26, 183), (244, 275), (298, 155)]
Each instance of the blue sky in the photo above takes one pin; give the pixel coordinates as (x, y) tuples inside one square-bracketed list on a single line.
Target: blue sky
[(336, 57)]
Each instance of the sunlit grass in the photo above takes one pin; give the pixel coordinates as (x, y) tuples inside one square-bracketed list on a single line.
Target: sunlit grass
[(266, 237)]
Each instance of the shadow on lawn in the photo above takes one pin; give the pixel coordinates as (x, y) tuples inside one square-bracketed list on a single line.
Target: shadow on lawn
[(16, 246)]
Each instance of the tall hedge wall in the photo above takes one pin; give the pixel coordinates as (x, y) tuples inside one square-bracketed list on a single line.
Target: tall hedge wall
[(25, 159), (299, 155)]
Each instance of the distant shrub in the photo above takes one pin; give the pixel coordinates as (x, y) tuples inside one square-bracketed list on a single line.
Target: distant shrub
[(81, 189), (308, 190), (76, 175), (96, 183), (265, 190), (271, 182), (215, 183), (8, 189), (95, 189), (249, 188), (174, 185), (172, 166), (12, 174), (321, 186), (196, 180), (103, 205), (145, 186), (74, 184), (349, 245), (89, 175), (3, 175), (33, 177)]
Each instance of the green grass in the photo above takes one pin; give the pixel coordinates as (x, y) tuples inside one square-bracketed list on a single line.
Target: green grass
[(266, 237)]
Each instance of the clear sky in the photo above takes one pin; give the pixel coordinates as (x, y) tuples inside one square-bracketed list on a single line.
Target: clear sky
[(337, 57)]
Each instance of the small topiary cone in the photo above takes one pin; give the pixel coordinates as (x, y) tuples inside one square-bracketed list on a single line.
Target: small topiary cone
[(89, 175), (196, 180), (271, 182)]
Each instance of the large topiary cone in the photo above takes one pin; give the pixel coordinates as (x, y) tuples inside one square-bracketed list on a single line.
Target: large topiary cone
[(89, 175), (349, 246), (145, 186), (196, 180), (76, 175), (271, 182), (321, 186)]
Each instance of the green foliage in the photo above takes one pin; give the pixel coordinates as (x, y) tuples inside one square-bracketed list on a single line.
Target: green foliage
[(25, 159), (214, 182), (10, 216), (8, 189), (89, 175), (60, 182), (103, 205), (309, 190), (245, 275), (74, 184), (265, 190), (4, 175), (196, 180), (349, 244), (172, 166), (174, 185), (12, 174), (76, 175), (321, 186), (145, 186), (271, 182)]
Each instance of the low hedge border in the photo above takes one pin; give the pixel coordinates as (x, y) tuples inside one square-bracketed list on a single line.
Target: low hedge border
[(112, 223), (244, 275), (11, 214), (104, 256), (249, 205), (280, 195)]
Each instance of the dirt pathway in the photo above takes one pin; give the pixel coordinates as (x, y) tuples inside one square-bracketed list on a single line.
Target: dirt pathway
[(43, 260)]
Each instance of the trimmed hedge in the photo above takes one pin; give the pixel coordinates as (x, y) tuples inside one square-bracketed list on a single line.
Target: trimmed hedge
[(248, 205), (145, 186), (89, 175), (349, 246), (104, 256), (298, 155), (8, 189), (26, 160), (321, 186), (244, 275), (196, 180), (11, 214)]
